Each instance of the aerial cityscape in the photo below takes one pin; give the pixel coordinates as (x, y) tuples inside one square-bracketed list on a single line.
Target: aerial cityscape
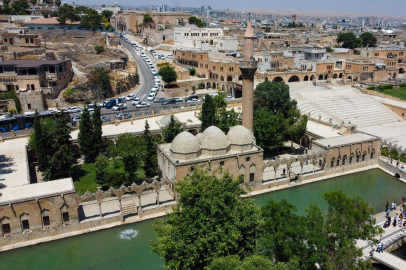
[(202, 135)]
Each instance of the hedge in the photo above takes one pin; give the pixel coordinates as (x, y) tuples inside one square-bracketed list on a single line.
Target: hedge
[(385, 86)]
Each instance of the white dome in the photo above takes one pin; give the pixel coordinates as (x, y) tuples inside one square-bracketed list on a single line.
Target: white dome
[(214, 139), (199, 137), (185, 143), (239, 135)]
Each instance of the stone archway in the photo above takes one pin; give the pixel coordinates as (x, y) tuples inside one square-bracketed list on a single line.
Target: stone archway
[(335, 76), (266, 79), (321, 77), (326, 76), (240, 78), (278, 79), (306, 78), (208, 85), (401, 70), (222, 78), (294, 78), (305, 141), (229, 78), (340, 76), (214, 85), (349, 78), (394, 75), (312, 77)]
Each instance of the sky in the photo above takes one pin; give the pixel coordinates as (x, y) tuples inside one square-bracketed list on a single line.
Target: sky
[(388, 7)]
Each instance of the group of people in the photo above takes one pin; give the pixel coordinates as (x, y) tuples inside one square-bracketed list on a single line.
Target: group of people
[(379, 249), (398, 219), (397, 164)]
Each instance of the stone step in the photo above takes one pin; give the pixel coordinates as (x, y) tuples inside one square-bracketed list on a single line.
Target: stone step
[(129, 209)]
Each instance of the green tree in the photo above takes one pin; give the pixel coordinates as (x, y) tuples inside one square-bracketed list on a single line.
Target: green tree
[(107, 13), (101, 165), (207, 116), (97, 138), (274, 96), (99, 49), (129, 151), (150, 161), (148, 20), (39, 143), (196, 21), (210, 220), (172, 129), (296, 126), (85, 136), (58, 3), (348, 40), (19, 8), (269, 129), (168, 74), (91, 19), (101, 78), (368, 39), (65, 13), (254, 262)]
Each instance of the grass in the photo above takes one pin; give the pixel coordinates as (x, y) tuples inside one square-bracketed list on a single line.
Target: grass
[(84, 176), (395, 92)]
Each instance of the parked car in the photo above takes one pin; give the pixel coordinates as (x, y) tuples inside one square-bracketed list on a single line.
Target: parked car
[(178, 99), (136, 101), (73, 110), (192, 97), (120, 106), (193, 100), (159, 100), (143, 105), (151, 96), (76, 119), (105, 119), (169, 101), (119, 116), (130, 97)]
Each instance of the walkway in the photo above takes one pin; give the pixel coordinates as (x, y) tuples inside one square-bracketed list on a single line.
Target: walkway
[(390, 260)]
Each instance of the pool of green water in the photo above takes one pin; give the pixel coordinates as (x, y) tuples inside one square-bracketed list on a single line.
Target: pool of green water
[(106, 250)]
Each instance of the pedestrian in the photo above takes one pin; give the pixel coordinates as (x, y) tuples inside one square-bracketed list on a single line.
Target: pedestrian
[(371, 253), (397, 163), (381, 247), (387, 213), (284, 171), (404, 226), (395, 219), (386, 206)]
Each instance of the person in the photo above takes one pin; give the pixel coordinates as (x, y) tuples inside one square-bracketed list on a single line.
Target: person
[(390, 161), (381, 247), (404, 226), (387, 213), (395, 219), (371, 253), (397, 163), (386, 206), (391, 206), (283, 172), (394, 205), (402, 167)]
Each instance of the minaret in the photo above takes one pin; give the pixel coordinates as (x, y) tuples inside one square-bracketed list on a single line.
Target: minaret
[(248, 67)]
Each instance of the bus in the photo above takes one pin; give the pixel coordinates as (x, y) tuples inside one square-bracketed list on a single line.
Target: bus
[(17, 122)]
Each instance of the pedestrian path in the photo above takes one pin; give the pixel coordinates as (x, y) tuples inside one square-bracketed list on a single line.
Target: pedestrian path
[(390, 260)]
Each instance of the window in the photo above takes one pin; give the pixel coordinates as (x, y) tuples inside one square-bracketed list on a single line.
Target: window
[(372, 155), (221, 68), (338, 162), (357, 158), (46, 221), (29, 106), (214, 68), (332, 162), (363, 157), (221, 163), (231, 69), (247, 159), (31, 40), (65, 217), (5, 228), (344, 158), (252, 177), (25, 224), (350, 160), (192, 169)]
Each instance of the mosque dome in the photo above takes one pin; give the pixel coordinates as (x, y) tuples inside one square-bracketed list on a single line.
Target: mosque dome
[(185, 146), (239, 135), (214, 139)]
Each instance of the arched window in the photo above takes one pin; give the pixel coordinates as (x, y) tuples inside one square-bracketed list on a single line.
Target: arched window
[(358, 156), (338, 161), (351, 157), (32, 87), (372, 154), (332, 162), (344, 159), (363, 156)]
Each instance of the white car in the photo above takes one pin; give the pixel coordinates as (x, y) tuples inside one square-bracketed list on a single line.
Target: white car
[(178, 99), (193, 100), (73, 110), (136, 101), (151, 96), (143, 105), (119, 106), (130, 97)]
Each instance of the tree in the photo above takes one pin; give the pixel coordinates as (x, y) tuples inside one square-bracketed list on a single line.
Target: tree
[(65, 13), (19, 8), (33, 2), (148, 20), (129, 151), (196, 21), (254, 262), (274, 96), (58, 3), (91, 19), (207, 116), (168, 74), (39, 143), (296, 126), (210, 220), (99, 49), (101, 165), (85, 136), (348, 40), (97, 138), (150, 161), (368, 39), (172, 130), (101, 78), (107, 13), (269, 129)]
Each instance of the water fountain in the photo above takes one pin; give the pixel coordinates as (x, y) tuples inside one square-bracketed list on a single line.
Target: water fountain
[(128, 234)]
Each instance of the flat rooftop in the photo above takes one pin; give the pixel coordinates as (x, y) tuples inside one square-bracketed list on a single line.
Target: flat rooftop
[(13, 163), (321, 130), (344, 140), (37, 191)]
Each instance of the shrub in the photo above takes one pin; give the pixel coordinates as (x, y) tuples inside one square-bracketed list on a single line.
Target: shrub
[(385, 86), (371, 87), (402, 85), (12, 111), (163, 64), (99, 49), (192, 72)]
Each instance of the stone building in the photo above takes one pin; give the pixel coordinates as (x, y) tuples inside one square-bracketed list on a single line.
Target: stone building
[(235, 152), (30, 210), (23, 40)]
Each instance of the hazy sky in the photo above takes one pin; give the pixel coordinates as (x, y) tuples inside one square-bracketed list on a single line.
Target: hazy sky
[(388, 7)]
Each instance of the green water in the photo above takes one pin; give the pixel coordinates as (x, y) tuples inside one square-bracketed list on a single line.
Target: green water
[(106, 250)]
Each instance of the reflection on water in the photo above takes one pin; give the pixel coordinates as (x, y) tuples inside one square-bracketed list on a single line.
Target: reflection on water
[(128, 234)]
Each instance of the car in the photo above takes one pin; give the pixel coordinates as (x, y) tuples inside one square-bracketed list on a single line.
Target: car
[(169, 101), (192, 97), (73, 110), (76, 119), (193, 100), (159, 100), (136, 101), (119, 106), (105, 119), (157, 80), (143, 105), (130, 97), (151, 96), (178, 99), (120, 116), (90, 106)]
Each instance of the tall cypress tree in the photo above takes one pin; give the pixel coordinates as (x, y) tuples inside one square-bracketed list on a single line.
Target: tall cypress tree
[(151, 163), (85, 135), (173, 128), (97, 139), (208, 112), (40, 149)]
